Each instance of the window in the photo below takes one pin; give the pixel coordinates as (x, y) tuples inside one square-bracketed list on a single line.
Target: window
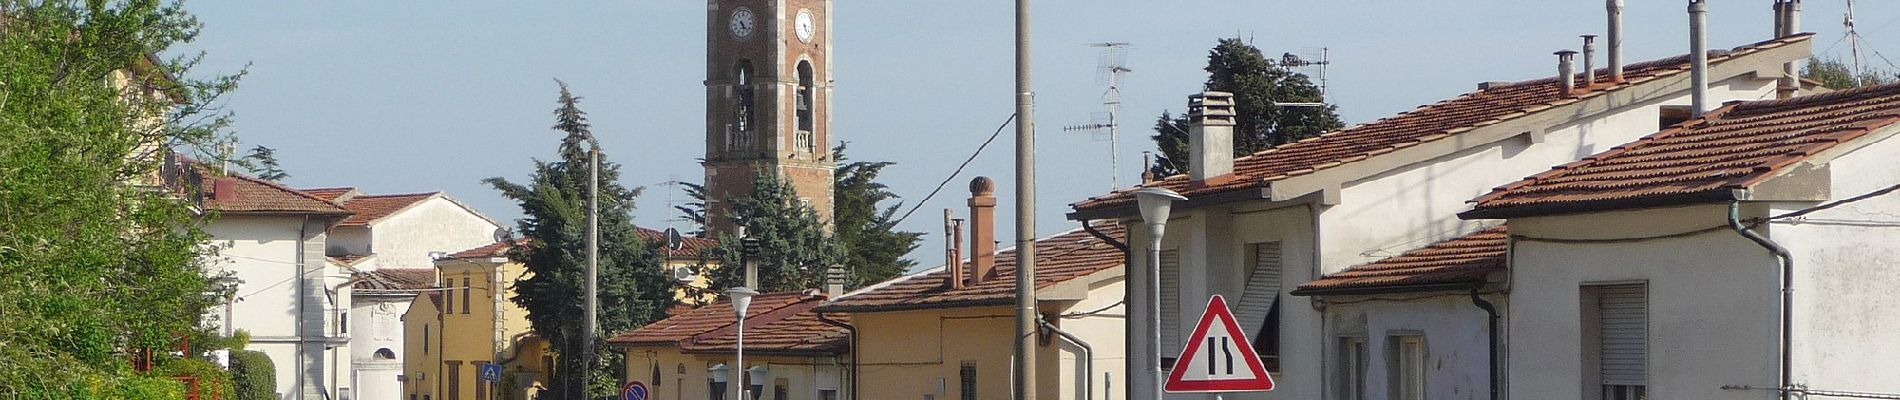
[(738, 132), (1672, 115), (455, 378), (806, 102), (1352, 368), (827, 394), (343, 321), (1616, 333), (966, 380), (1170, 305), (1259, 310), (465, 295), (1408, 367), (387, 354), (425, 339), (481, 388), (781, 389), (448, 293)]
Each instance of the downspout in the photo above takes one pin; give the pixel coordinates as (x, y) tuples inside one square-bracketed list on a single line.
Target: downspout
[(1787, 294), (1088, 357), (1491, 325), (303, 232), (853, 331)]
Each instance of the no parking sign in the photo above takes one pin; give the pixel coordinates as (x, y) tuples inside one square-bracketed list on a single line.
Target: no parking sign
[(634, 391)]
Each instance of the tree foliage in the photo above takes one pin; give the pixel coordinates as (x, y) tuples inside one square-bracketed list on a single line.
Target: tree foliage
[(1836, 74), (96, 260), (262, 162), (794, 250), (633, 290), (254, 376), (870, 246), (1257, 83)]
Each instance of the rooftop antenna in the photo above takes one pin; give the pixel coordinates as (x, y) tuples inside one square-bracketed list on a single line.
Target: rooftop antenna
[(1112, 65), (1853, 41), (1305, 63)]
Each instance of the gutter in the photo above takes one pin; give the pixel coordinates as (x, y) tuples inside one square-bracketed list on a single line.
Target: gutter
[(1429, 287), (1491, 326), (1787, 295), (853, 331), (1088, 356)]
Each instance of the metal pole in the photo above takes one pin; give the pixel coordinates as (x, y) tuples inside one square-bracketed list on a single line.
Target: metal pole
[(1154, 305), (593, 266), (1025, 360), (1698, 57), (745, 392)]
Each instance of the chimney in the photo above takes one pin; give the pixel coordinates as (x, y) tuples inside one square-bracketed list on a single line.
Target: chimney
[(1566, 71), (1210, 135), (953, 249), (1616, 41), (834, 281), (982, 230), (1788, 13), (224, 189), (1589, 60), (1698, 56)]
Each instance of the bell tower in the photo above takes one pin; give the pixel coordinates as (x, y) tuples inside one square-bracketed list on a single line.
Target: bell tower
[(768, 101)]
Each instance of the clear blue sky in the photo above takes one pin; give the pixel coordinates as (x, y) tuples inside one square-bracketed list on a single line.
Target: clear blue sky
[(404, 96)]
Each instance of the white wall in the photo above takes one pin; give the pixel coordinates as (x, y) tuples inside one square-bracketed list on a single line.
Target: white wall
[(376, 323), (1457, 342), (264, 254), (1712, 302), (404, 239), (1104, 333)]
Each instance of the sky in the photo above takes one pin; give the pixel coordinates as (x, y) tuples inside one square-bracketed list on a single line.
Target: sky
[(415, 96)]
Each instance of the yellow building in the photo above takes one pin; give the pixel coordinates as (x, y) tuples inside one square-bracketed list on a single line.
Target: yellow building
[(801, 354), (949, 332), (453, 331)]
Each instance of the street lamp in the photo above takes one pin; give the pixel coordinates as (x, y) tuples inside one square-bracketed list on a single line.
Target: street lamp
[(1155, 203), (717, 375), (741, 299), (758, 374)]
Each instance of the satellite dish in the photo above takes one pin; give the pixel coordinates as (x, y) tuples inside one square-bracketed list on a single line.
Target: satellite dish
[(673, 239), (684, 274), (502, 235)]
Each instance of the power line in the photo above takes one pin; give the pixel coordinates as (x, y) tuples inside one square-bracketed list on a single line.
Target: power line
[(953, 174)]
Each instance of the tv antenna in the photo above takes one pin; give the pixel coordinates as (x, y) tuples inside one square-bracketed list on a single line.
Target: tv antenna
[(1312, 61), (1112, 65)]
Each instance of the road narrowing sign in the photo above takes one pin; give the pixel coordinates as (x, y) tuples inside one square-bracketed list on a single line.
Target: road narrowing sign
[(1218, 357)]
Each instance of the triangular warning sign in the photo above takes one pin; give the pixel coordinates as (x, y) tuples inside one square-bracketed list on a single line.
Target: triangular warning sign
[(1218, 357)]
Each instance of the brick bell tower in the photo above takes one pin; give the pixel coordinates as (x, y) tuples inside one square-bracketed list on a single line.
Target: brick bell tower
[(768, 101)]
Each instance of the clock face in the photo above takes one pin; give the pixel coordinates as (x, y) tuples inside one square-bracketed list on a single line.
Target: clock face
[(804, 26), (741, 23)]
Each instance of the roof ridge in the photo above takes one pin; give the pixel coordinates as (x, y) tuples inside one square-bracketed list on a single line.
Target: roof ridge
[(376, 196), (265, 182), (1761, 106)]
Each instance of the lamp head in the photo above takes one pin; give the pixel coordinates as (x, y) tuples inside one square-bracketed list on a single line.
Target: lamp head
[(1155, 203), (741, 299), (759, 374), (719, 373)]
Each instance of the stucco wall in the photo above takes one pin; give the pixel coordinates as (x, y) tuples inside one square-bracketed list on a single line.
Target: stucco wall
[(405, 239), (1456, 340), (278, 261), (803, 376), (1712, 302)]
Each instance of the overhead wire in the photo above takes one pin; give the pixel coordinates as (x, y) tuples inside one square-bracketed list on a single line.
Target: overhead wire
[(959, 170)]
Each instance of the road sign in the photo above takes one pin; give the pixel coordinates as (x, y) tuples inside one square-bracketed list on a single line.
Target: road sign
[(1218, 357), (634, 391), (491, 372)]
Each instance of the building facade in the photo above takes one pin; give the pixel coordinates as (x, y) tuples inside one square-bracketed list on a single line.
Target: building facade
[(467, 322)]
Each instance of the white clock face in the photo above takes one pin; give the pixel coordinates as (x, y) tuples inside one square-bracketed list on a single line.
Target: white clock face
[(741, 23), (804, 26)]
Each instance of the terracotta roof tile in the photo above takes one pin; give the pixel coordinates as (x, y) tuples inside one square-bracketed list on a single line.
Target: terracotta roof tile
[(672, 330), (1445, 119), (496, 249), (395, 280), (350, 259), (253, 195), (338, 194), (369, 208), (691, 247), (794, 329), (1465, 259), (1062, 257), (1704, 159)]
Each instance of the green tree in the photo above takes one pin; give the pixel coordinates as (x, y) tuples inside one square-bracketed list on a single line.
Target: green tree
[(871, 247), (262, 162), (794, 250), (633, 290), (92, 268), (254, 376), (1836, 74), (694, 211), (1257, 84)]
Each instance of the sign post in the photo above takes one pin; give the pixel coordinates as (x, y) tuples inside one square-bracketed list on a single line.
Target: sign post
[(1218, 358)]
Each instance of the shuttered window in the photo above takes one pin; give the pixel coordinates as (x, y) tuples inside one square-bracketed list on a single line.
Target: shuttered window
[(966, 380), (1408, 379), (1260, 302), (1170, 303), (1623, 335)]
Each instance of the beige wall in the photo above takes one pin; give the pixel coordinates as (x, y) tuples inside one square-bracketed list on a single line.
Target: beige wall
[(422, 350), (917, 353), (468, 337), (803, 377)]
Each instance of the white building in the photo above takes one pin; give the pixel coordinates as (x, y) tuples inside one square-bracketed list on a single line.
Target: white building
[(1649, 269), (286, 296), (392, 241), (1256, 226)]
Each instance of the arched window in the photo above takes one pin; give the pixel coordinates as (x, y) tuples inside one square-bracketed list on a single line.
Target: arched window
[(806, 103), (385, 354), (737, 137)]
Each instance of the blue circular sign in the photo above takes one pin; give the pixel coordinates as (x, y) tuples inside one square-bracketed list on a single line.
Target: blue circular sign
[(634, 391)]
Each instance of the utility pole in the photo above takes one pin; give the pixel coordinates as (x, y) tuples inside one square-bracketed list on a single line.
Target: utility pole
[(1025, 360), (593, 270)]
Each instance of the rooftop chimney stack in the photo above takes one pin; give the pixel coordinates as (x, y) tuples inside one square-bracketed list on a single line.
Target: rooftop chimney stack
[(1698, 56), (834, 281), (982, 230), (1616, 41), (1210, 135), (1566, 71), (1788, 13), (1589, 60), (953, 248), (224, 189)]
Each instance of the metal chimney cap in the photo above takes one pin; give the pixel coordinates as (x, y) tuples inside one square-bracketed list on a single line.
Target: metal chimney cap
[(1565, 52), (1588, 37)]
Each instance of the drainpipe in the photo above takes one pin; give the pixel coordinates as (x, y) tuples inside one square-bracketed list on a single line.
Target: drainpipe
[(1490, 325), (853, 331), (1787, 294), (303, 231), (1088, 357), (1107, 239)]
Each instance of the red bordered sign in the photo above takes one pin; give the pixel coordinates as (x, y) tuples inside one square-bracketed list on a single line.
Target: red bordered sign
[(1218, 357)]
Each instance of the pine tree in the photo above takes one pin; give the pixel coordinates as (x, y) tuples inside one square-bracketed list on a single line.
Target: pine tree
[(871, 246), (1257, 83), (262, 162), (633, 289), (794, 250)]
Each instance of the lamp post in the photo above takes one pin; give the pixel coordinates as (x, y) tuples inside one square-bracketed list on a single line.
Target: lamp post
[(741, 299), (1155, 203), (717, 376), (759, 374)]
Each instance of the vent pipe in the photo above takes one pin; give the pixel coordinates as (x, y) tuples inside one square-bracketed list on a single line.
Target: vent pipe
[(953, 248), (1698, 56), (1589, 60), (1788, 13), (1566, 71), (1210, 135), (1615, 8)]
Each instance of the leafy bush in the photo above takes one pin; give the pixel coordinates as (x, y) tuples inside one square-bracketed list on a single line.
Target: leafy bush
[(254, 375)]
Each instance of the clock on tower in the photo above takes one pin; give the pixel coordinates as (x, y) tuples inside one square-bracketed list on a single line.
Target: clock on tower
[(768, 101)]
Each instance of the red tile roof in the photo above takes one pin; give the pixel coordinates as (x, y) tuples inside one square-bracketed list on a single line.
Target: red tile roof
[(388, 280), (672, 330), (792, 330), (496, 249), (254, 196), (1700, 160), (1490, 105), (690, 247), (350, 259), (1062, 257), (333, 194), (369, 208), (1462, 260)]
